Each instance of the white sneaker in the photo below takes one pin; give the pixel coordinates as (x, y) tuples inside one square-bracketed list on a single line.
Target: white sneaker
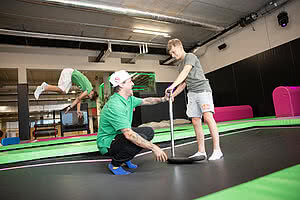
[(199, 154), (44, 84), (216, 155), (39, 90)]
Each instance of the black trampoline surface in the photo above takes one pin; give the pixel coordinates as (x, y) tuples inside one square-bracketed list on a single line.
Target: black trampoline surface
[(248, 154)]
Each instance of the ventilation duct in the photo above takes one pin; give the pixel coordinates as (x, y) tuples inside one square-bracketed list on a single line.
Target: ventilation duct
[(129, 12)]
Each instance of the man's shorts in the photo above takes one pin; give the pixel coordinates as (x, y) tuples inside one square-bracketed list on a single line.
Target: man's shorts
[(65, 80), (199, 103)]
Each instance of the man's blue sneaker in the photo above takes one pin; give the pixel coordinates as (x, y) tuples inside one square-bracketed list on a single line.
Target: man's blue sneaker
[(130, 165), (117, 170)]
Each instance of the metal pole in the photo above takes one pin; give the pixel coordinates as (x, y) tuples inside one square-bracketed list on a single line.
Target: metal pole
[(171, 125)]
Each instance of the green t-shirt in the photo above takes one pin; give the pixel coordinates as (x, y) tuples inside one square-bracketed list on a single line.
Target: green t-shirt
[(81, 81), (115, 115)]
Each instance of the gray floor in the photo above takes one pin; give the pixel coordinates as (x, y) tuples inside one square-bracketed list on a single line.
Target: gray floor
[(248, 155)]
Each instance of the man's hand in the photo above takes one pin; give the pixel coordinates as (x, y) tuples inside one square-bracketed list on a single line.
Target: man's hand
[(160, 155), (79, 114), (169, 93), (68, 109), (167, 97), (169, 90)]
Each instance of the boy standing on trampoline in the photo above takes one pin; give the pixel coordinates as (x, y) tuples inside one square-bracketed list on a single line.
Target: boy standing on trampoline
[(67, 77), (116, 138), (200, 101)]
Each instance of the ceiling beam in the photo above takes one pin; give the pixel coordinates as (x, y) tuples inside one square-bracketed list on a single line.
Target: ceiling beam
[(74, 38), (143, 50), (167, 61), (104, 54)]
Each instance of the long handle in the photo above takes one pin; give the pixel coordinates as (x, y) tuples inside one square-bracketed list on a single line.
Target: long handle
[(171, 125)]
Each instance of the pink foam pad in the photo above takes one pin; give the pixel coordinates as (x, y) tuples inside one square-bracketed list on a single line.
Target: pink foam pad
[(59, 138), (286, 101), (228, 113)]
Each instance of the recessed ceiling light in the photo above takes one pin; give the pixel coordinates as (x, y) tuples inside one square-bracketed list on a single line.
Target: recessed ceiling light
[(151, 32)]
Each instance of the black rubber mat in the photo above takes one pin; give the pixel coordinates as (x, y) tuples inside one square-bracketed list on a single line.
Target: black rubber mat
[(248, 155)]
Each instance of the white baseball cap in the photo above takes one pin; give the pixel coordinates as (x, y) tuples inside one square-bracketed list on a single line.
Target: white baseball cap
[(119, 77)]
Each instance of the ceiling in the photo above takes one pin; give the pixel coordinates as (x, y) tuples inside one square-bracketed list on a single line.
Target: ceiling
[(192, 21), (110, 24)]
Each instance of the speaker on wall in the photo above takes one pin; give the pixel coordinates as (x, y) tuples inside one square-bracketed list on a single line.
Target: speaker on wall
[(222, 46)]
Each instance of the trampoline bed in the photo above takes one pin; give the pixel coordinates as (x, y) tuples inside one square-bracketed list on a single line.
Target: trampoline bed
[(251, 155)]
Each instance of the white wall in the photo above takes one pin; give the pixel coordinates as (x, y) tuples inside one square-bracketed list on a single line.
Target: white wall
[(245, 42), (240, 45), (57, 58)]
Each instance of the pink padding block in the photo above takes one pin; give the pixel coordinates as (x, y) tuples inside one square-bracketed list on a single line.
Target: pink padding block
[(229, 113), (286, 101)]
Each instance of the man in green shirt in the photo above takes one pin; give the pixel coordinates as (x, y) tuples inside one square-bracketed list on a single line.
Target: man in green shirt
[(116, 137), (67, 77)]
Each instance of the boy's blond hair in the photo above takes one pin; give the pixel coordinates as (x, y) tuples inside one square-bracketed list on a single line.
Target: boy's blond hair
[(174, 42)]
